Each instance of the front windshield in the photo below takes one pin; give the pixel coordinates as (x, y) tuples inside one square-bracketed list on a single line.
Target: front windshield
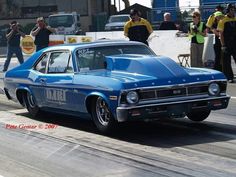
[(61, 20), (94, 58), (118, 19)]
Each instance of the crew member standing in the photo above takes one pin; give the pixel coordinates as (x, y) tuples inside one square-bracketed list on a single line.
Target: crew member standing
[(197, 32), (227, 28), (167, 24), (41, 33), (13, 36), (211, 19), (217, 44), (137, 28)]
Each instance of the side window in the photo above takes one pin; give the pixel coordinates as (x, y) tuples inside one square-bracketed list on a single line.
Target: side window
[(41, 66), (90, 59), (85, 59), (58, 62)]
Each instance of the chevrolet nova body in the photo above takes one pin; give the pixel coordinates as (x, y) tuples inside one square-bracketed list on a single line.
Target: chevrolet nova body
[(114, 81)]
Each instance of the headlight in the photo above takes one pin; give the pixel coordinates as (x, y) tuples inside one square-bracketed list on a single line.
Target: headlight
[(214, 89), (132, 97)]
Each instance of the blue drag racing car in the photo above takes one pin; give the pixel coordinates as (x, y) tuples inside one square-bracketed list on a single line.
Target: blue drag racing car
[(114, 81)]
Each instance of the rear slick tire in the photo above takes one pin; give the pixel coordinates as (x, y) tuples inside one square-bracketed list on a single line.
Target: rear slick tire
[(31, 105)]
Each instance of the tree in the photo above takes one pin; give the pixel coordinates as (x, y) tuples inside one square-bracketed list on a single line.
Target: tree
[(127, 3), (185, 15), (12, 8)]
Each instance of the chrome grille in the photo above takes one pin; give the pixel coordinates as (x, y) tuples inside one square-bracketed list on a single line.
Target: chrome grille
[(163, 93)]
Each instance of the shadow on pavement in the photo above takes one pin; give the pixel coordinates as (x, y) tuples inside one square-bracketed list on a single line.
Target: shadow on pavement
[(160, 133)]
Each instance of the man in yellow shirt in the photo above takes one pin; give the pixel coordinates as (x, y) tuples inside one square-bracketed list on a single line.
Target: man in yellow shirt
[(137, 28), (211, 19), (227, 29)]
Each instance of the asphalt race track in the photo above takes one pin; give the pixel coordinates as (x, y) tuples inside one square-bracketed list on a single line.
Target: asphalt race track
[(62, 146)]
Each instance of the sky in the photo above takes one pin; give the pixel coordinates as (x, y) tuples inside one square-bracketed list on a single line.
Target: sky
[(148, 2)]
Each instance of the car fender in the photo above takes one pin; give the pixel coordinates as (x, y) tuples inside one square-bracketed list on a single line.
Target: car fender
[(19, 96), (91, 95)]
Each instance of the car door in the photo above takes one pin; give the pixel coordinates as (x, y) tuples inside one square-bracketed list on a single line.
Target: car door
[(37, 75), (56, 82)]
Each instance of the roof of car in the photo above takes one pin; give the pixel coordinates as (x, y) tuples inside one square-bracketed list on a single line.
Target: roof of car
[(120, 15), (103, 42)]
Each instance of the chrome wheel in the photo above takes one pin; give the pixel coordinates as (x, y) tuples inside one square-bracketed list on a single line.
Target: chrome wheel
[(102, 111), (30, 100), (31, 104)]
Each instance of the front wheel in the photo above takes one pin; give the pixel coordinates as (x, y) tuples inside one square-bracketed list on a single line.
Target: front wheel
[(198, 116), (31, 105), (102, 117)]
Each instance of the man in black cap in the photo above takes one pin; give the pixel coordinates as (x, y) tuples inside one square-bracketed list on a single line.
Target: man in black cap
[(227, 29), (137, 29)]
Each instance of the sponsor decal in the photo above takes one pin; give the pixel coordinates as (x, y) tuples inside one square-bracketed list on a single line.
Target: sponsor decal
[(83, 52), (72, 39), (27, 44), (56, 95), (86, 39)]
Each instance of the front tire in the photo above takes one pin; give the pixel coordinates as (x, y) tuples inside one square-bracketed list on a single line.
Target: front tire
[(198, 116), (102, 117), (31, 105)]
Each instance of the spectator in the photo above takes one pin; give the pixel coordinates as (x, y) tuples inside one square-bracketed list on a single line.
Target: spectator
[(211, 19), (137, 28), (217, 45), (227, 28), (13, 36), (41, 33), (197, 32), (167, 24)]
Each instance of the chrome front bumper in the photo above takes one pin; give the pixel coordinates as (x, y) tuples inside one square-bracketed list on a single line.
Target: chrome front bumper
[(170, 109)]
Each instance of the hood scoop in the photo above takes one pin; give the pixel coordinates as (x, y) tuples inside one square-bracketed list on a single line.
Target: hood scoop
[(159, 67)]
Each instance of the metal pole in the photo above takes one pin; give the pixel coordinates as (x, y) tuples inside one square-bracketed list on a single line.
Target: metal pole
[(119, 4), (115, 4), (70, 5), (39, 8)]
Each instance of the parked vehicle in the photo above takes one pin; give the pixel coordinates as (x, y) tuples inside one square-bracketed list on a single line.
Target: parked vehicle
[(114, 81), (65, 23), (117, 22)]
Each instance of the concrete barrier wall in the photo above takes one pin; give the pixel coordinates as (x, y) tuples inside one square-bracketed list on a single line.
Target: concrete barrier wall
[(161, 42), (166, 43)]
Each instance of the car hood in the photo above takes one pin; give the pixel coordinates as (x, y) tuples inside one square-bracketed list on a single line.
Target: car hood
[(145, 71)]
